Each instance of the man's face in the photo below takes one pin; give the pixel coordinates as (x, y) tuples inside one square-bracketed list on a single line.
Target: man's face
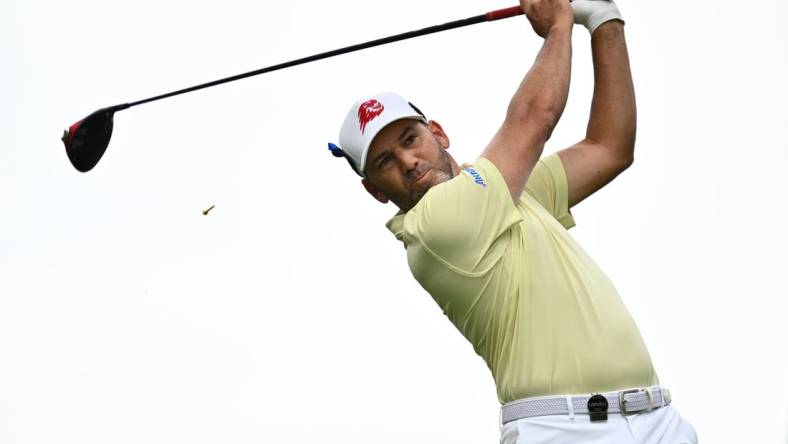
[(406, 159)]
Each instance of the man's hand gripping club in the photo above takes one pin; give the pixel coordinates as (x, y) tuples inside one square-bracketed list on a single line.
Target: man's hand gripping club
[(592, 13), (545, 14)]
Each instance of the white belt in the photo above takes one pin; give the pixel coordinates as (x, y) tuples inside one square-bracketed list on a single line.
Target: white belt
[(624, 402)]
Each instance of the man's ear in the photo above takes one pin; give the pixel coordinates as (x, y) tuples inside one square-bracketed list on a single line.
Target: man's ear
[(437, 130), (374, 191)]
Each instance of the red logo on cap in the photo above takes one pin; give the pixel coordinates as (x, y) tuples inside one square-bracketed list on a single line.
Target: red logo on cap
[(368, 111)]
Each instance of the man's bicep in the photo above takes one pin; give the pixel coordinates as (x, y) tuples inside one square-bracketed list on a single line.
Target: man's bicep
[(547, 185), (589, 166)]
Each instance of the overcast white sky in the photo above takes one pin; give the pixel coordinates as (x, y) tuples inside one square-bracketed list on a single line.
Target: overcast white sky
[(288, 314)]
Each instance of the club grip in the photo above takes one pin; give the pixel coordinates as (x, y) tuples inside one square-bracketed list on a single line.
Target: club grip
[(503, 13)]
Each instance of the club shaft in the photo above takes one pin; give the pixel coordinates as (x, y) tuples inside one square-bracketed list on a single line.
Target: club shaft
[(490, 16)]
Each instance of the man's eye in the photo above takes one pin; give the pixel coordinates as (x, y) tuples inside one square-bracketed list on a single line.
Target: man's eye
[(409, 140), (383, 162)]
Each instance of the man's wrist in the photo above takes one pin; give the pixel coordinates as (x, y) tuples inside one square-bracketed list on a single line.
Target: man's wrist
[(609, 29), (560, 29), (610, 25)]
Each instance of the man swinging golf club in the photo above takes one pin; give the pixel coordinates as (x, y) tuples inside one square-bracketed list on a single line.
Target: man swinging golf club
[(489, 240)]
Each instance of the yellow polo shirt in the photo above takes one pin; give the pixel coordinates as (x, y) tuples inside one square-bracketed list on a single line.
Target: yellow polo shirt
[(511, 278)]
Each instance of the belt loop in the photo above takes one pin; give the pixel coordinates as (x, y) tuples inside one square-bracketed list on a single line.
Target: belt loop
[(571, 407)]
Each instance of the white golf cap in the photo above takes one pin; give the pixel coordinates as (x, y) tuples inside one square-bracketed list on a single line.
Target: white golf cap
[(366, 119)]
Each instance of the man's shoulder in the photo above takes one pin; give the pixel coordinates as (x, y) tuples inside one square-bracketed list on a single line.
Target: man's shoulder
[(460, 219)]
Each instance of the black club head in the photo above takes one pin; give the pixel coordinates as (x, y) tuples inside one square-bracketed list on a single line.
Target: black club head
[(87, 139)]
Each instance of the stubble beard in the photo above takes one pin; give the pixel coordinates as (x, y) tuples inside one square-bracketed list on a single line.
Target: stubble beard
[(441, 172)]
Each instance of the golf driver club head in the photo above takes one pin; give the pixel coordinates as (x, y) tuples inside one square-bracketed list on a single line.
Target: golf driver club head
[(87, 139)]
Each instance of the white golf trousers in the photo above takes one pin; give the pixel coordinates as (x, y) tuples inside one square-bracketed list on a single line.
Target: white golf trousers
[(659, 426)]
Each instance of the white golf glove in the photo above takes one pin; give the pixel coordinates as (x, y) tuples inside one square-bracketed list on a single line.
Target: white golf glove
[(592, 13)]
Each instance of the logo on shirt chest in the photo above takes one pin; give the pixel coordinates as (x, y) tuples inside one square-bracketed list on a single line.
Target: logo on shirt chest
[(475, 175)]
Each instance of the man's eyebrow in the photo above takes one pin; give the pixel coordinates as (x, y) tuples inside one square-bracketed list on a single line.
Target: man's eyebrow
[(409, 127), (375, 159)]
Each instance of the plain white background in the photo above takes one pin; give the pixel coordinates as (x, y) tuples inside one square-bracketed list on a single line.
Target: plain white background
[(288, 314)]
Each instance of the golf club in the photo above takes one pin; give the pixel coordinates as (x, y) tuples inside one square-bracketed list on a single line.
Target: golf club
[(87, 140)]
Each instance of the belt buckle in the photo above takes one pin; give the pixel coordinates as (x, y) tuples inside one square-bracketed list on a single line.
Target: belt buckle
[(622, 403)]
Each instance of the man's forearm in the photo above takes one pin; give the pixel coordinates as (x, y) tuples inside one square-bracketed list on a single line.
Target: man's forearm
[(613, 120), (541, 96), (533, 111)]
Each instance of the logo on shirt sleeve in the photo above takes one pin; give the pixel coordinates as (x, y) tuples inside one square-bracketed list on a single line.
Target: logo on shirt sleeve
[(475, 175)]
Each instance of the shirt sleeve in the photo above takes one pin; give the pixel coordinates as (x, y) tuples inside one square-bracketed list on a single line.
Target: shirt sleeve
[(548, 185), (460, 221)]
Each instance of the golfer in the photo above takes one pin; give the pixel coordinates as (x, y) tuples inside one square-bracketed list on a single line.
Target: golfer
[(489, 240)]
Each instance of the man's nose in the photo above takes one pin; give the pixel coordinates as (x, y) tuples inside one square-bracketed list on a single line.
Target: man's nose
[(407, 160)]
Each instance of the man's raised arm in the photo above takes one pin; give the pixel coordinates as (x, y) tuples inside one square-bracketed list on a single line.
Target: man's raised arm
[(539, 101), (608, 148)]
